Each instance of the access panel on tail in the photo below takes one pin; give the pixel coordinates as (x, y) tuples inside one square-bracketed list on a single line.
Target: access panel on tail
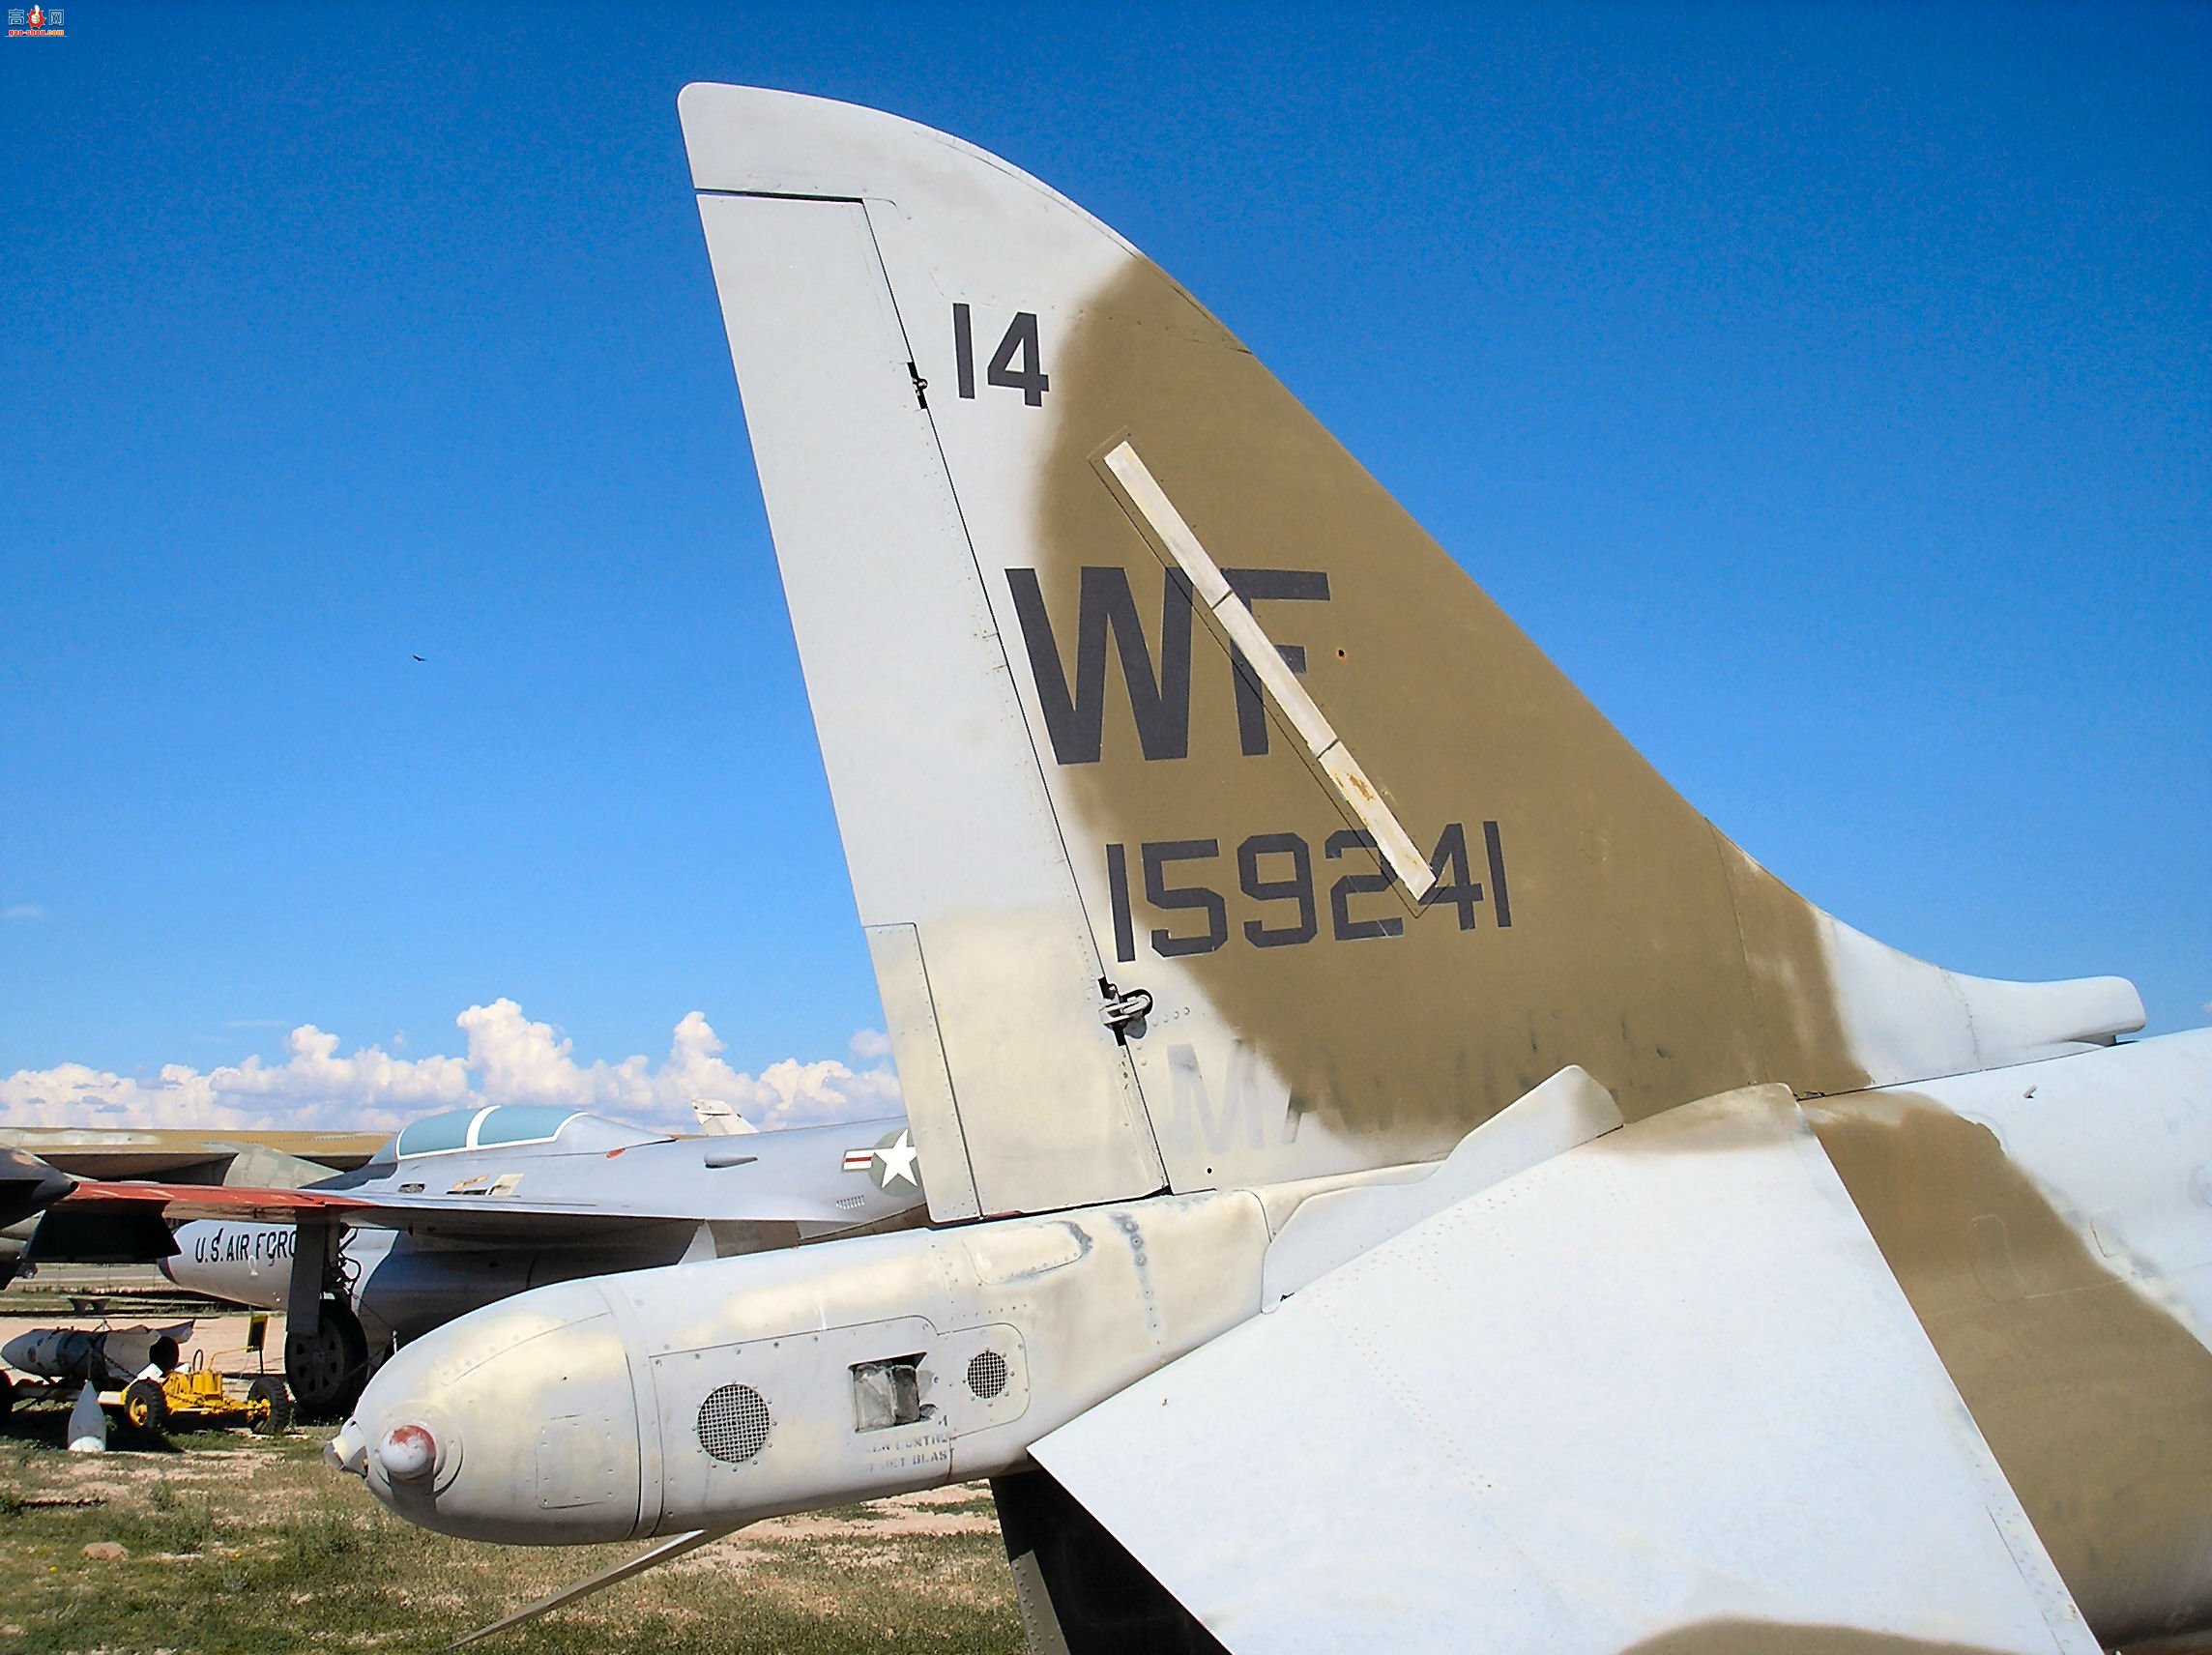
[(1210, 825)]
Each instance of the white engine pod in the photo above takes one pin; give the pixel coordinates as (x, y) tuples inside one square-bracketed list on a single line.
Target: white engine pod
[(705, 1395)]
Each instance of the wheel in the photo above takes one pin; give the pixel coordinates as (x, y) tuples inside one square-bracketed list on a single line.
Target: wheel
[(268, 1406), (7, 1395), (145, 1406), (327, 1368)]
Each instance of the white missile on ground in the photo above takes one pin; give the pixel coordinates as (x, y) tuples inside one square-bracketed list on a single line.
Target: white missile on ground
[(103, 1355)]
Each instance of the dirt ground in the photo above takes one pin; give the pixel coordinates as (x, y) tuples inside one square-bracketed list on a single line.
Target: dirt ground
[(223, 1541)]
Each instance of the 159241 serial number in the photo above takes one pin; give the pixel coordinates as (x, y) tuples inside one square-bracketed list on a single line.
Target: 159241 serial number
[(1277, 872)]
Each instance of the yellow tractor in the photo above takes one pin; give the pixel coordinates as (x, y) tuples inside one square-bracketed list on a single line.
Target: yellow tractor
[(196, 1395)]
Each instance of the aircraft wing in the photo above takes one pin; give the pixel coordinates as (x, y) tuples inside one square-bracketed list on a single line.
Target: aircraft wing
[(1661, 1392), (93, 1196), (491, 1217), (102, 1222), (111, 1192), (487, 1217)]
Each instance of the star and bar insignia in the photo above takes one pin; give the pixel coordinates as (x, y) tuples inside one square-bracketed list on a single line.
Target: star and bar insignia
[(890, 1162)]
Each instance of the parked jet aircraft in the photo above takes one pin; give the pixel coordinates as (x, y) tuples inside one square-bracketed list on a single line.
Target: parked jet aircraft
[(465, 1208), (1228, 859), (192, 1155), (39, 1165)]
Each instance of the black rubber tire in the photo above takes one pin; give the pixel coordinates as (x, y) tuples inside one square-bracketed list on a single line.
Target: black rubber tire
[(7, 1396), (145, 1408), (326, 1369), (278, 1419)]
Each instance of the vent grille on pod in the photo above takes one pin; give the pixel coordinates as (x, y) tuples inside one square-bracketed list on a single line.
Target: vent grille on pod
[(987, 1374), (732, 1423)]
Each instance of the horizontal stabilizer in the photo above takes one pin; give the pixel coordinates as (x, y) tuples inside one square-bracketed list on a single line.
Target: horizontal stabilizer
[(1660, 1392), (1334, 1228)]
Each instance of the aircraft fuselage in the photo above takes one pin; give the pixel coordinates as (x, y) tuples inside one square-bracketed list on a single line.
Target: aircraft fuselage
[(2043, 1225)]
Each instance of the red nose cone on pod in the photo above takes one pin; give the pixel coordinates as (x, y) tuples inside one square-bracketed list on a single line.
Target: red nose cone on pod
[(408, 1453)]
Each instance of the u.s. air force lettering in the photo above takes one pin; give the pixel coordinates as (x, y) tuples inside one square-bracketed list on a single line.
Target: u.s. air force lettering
[(242, 1244)]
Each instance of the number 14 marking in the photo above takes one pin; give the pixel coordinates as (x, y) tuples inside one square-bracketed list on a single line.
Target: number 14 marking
[(1027, 376)]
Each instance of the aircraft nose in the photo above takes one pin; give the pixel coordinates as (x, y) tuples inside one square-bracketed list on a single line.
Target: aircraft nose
[(549, 1455), (28, 1185)]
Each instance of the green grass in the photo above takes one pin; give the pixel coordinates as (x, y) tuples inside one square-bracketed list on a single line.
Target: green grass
[(241, 1543)]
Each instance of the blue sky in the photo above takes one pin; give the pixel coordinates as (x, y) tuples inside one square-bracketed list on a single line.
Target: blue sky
[(1829, 389)]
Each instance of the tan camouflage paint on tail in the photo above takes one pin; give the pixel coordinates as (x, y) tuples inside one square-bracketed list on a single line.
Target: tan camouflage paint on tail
[(2095, 1399), (1644, 947)]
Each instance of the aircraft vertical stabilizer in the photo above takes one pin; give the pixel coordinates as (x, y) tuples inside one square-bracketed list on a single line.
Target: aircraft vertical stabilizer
[(1209, 823)]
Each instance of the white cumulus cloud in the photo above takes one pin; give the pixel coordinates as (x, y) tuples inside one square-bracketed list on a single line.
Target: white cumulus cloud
[(508, 1059)]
